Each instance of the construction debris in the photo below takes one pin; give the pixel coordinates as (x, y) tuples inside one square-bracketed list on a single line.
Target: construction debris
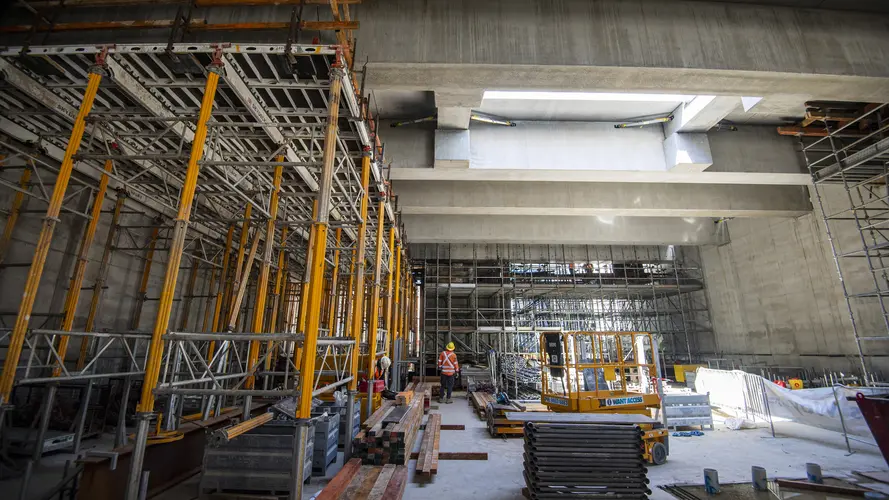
[(584, 461)]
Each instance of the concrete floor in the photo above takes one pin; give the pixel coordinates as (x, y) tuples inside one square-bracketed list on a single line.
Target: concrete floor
[(500, 477)]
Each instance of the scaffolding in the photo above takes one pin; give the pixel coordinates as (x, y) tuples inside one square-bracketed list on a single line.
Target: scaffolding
[(494, 297), (255, 170), (846, 149)]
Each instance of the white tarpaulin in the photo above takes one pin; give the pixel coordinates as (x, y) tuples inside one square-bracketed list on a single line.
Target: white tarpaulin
[(743, 392)]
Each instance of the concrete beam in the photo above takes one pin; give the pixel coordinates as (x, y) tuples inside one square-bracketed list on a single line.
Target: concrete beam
[(455, 107), (701, 114), (596, 152), (452, 149), (563, 230), (593, 199), (614, 45), (687, 152), (577, 176)]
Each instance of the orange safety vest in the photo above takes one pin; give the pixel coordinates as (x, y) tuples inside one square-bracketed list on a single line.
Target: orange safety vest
[(447, 363)]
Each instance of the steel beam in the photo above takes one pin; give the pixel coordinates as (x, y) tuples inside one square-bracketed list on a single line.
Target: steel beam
[(102, 276), (357, 313), (263, 283), (156, 348), (146, 275), (396, 321), (332, 296), (72, 296), (17, 336), (240, 285), (390, 297), (319, 248), (374, 322), (14, 210)]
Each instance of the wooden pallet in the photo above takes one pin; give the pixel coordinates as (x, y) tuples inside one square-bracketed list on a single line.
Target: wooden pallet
[(427, 459), (366, 482), (499, 425)]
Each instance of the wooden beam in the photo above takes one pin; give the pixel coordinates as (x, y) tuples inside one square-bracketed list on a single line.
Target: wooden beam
[(456, 455), (445, 427), (797, 131), (340, 481), (823, 488)]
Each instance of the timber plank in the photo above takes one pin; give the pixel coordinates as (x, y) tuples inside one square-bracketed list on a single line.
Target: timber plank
[(395, 490), (340, 481), (457, 455), (379, 488)]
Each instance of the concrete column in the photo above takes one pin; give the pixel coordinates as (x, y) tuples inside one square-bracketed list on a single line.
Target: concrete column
[(455, 106)]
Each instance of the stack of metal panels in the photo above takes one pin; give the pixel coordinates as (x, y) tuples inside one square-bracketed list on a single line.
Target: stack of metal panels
[(584, 461), (688, 409)]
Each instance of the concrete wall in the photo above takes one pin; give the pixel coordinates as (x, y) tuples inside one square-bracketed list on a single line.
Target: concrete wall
[(122, 285), (775, 297)]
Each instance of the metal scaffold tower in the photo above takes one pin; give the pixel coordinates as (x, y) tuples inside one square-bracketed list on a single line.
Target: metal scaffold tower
[(247, 183), (847, 154), (497, 300)]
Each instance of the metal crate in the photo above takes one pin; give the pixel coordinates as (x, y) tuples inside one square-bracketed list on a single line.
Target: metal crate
[(258, 461), (341, 410)]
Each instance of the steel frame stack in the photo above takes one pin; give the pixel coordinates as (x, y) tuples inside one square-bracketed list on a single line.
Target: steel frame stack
[(849, 163), (494, 303), (257, 164)]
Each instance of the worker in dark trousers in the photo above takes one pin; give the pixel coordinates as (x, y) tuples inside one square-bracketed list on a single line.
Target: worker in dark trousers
[(447, 363)]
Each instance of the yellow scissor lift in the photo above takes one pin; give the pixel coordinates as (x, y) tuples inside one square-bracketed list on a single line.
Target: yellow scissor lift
[(611, 374)]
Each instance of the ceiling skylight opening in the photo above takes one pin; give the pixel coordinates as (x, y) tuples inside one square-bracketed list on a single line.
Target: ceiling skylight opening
[(585, 96)]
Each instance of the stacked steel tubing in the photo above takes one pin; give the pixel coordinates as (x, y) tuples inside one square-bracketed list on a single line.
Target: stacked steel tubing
[(584, 461)]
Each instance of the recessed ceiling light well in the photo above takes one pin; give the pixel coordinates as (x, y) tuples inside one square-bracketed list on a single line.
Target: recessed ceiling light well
[(585, 96)]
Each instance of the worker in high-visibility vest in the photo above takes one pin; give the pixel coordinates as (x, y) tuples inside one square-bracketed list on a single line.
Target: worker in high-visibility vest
[(447, 363)]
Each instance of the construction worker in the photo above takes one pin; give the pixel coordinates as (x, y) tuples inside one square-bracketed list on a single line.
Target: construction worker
[(447, 363)]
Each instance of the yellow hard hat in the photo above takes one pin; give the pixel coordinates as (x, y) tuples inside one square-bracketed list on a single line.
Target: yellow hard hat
[(450, 346)]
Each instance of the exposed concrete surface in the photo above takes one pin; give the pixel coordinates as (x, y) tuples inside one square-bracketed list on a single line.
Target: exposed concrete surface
[(125, 271), (754, 150), (775, 297), (700, 47), (595, 152), (567, 145), (608, 199), (600, 229), (544, 175), (731, 452), (704, 48)]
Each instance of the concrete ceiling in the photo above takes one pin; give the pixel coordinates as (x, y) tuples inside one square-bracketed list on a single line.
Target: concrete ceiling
[(554, 110), (880, 6), (410, 104)]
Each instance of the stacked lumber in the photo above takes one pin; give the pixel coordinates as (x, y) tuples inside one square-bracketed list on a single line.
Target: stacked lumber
[(427, 459), (358, 482), (420, 387), (388, 436), (433, 384), (479, 401)]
